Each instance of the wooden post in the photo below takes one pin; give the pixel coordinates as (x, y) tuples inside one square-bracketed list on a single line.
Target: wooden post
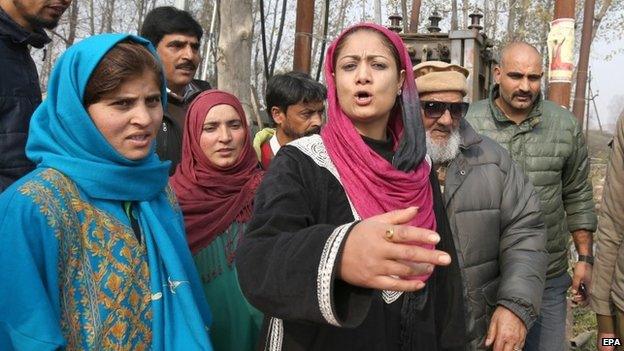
[(581, 70), (415, 16), (559, 92), (303, 36)]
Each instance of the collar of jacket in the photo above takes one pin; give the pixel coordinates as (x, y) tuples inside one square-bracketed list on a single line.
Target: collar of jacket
[(38, 38), (531, 121), (469, 136), (190, 92)]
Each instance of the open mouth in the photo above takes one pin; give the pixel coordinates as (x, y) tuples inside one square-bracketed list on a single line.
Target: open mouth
[(363, 97)]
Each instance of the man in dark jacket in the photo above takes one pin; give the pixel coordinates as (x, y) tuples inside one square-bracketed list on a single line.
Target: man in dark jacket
[(21, 26), (493, 212), (176, 36), (547, 143)]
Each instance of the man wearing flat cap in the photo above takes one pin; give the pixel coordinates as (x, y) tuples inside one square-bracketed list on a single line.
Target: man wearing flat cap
[(493, 212)]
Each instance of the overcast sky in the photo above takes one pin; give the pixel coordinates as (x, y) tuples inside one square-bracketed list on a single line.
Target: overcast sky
[(608, 79)]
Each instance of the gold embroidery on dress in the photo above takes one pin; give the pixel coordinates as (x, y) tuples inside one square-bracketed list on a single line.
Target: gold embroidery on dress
[(103, 274)]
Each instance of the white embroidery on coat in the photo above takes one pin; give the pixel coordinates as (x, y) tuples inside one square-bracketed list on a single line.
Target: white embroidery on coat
[(314, 148), (326, 268), (275, 335), (390, 296)]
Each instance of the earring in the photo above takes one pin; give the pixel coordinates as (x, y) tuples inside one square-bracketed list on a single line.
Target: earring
[(400, 92)]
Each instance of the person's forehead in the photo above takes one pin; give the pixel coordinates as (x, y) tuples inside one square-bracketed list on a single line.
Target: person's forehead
[(181, 37), (364, 42), (442, 96), (522, 61), (221, 113), (310, 105)]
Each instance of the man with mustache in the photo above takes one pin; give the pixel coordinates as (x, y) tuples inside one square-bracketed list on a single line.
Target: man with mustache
[(22, 24), (499, 239), (296, 102), (545, 140), (176, 35)]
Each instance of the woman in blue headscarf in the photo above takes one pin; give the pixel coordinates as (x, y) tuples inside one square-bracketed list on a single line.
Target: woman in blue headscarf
[(92, 247)]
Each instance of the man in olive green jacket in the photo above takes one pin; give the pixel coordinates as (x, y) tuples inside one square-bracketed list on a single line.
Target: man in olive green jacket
[(545, 140), (607, 293)]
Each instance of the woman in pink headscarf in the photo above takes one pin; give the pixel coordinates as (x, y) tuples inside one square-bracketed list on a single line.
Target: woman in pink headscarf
[(340, 249)]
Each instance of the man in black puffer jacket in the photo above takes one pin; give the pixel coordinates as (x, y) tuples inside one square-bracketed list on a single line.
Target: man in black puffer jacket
[(21, 26), (494, 214)]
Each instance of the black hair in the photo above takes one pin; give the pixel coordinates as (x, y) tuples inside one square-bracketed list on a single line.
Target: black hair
[(291, 88), (169, 20)]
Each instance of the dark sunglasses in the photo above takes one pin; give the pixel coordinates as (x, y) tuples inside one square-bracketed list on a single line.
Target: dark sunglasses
[(435, 109)]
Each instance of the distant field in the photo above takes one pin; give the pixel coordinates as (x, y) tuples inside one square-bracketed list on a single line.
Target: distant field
[(598, 145)]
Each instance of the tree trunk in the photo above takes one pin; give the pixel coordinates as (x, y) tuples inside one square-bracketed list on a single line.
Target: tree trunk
[(141, 13), (487, 16), (405, 15), (495, 20), (91, 17), (511, 21), (465, 8), (454, 15), (234, 50), (341, 15), (377, 8), (107, 21), (73, 22), (521, 27), (415, 16), (273, 29)]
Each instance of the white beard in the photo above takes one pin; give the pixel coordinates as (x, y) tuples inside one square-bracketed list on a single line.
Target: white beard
[(442, 152)]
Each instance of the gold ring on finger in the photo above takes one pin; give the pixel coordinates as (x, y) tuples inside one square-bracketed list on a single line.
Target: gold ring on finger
[(389, 233)]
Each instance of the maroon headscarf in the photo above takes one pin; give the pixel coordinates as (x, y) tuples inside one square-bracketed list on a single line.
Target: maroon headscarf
[(212, 197), (373, 184)]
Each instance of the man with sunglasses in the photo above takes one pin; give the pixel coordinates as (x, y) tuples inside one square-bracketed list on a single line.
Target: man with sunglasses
[(493, 212), (545, 140)]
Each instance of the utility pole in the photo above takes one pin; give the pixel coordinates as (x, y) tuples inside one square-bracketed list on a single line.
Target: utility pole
[(587, 102), (303, 36), (559, 91), (415, 16), (581, 71)]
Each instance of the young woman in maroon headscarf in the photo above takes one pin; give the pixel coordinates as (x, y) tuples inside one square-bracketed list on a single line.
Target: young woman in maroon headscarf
[(215, 183), (339, 251)]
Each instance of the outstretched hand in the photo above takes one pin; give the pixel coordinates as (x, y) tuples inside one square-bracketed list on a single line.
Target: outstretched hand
[(379, 250)]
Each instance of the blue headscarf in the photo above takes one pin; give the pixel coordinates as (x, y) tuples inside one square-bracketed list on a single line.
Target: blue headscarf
[(63, 136)]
